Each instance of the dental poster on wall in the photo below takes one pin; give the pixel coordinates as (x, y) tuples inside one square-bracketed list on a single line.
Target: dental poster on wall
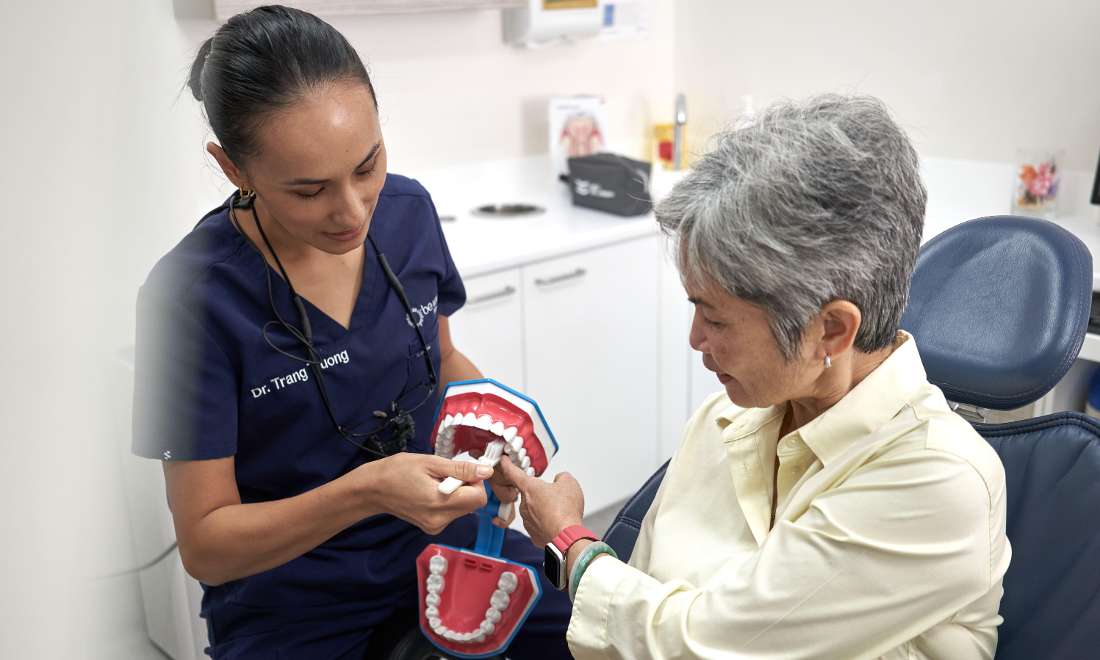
[(577, 128)]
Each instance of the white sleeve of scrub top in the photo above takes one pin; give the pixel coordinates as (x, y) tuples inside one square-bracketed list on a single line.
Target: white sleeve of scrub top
[(185, 388), (857, 574)]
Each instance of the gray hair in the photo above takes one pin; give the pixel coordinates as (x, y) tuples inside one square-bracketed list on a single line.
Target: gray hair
[(814, 201)]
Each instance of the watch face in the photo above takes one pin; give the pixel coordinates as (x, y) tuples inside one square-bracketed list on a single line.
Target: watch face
[(553, 566)]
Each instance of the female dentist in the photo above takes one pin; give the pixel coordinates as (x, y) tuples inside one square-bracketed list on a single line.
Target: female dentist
[(289, 355)]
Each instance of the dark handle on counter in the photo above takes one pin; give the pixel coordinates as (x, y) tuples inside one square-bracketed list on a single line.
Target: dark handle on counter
[(503, 293), (580, 272)]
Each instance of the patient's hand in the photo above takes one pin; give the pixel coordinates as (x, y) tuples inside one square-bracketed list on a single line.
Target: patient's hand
[(506, 493), (546, 508)]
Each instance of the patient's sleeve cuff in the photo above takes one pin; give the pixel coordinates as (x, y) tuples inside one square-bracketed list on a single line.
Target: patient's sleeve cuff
[(598, 585)]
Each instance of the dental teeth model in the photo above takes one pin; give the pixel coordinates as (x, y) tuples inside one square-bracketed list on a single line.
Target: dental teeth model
[(475, 415), (471, 604), (474, 602), (498, 602), (491, 457)]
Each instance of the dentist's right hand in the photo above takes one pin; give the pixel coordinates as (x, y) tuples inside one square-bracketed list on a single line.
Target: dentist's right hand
[(222, 539), (406, 485)]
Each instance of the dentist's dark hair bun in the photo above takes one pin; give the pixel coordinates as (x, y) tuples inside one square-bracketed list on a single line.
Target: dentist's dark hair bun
[(195, 81), (262, 61)]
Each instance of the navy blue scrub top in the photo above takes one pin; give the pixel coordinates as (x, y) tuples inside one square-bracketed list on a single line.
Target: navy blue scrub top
[(208, 385)]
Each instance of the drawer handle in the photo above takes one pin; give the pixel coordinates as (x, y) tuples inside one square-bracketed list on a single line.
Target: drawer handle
[(503, 293), (580, 272)]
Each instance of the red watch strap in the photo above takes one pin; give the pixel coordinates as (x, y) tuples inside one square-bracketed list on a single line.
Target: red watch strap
[(571, 535)]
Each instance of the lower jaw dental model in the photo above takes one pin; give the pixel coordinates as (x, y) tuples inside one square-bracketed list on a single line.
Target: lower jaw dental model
[(473, 602)]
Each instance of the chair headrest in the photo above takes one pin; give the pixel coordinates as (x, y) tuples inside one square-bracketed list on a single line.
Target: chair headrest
[(999, 307)]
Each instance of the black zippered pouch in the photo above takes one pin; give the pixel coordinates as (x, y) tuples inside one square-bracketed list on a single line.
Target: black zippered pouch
[(611, 183)]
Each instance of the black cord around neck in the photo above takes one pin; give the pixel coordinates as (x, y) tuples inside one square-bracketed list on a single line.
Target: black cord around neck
[(305, 337)]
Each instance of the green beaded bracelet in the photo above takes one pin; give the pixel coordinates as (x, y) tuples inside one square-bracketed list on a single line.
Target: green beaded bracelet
[(593, 550)]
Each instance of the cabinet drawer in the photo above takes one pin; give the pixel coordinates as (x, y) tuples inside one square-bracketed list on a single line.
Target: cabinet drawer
[(488, 328)]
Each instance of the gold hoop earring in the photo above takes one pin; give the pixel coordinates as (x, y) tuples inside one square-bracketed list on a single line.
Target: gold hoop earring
[(245, 198)]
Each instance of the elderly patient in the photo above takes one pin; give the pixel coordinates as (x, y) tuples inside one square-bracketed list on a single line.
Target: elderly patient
[(828, 503)]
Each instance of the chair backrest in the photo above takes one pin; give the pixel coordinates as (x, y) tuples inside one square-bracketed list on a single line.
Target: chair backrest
[(1051, 605), (999, 309), (623, 532)]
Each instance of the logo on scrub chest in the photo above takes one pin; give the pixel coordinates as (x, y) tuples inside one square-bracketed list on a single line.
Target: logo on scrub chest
[(421, 312)]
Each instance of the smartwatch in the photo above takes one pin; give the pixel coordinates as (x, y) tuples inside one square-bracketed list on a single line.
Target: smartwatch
[(553, 563)]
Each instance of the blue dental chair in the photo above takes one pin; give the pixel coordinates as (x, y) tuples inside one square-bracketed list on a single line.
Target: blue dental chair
[(999, 308)]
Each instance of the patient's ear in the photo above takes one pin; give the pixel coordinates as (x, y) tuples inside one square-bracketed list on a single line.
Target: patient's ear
[(840, 321)]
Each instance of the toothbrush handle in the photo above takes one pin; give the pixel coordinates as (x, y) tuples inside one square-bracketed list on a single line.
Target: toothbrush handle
[(490, 538), (450, 485)]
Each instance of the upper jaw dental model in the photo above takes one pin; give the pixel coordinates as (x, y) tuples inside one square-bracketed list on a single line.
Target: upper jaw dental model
[(472, 603), (484, 421)]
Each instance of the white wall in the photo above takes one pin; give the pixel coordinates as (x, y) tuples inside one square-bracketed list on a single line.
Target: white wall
[(969, 79), (61, 116)]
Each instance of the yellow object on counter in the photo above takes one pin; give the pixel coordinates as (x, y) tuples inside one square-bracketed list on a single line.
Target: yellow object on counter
[(664, 134)]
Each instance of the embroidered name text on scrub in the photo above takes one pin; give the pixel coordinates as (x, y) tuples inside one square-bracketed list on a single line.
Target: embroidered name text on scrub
[(300, 375)]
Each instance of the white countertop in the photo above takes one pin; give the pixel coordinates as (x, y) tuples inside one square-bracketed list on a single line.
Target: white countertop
[(481, 245), (957, 191)]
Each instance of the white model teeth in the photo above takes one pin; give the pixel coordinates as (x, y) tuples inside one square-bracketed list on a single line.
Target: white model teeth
[(435, 584), (513, 443), (499, 599), (437, 565), (506, 584)]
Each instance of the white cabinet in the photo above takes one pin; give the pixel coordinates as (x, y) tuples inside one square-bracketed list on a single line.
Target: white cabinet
[(590, 330), (675, 357), (489, 328)]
